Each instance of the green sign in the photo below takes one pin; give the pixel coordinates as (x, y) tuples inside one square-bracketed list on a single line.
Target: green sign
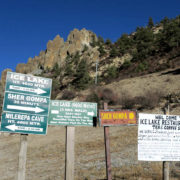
[(26, 104), (71, 113), (28, 84), (29, 123)]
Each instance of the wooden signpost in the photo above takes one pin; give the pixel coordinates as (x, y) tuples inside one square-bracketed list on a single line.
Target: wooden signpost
[(166, 163), (114, 118), (158, 139), (70, 138), (107, 149), (25, 110), (71, 114), (22, 157)]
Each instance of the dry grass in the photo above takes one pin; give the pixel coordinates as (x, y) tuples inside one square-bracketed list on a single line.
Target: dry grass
[(46, 154)]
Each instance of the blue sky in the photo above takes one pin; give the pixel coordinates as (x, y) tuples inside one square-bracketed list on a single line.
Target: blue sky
[(27, 26)]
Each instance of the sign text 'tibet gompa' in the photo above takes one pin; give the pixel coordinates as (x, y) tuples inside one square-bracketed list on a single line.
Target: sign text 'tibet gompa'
[(71, 113), (26, 104), (115, 118)]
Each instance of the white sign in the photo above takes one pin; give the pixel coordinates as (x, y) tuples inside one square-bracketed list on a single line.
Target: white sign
[(158, 137)]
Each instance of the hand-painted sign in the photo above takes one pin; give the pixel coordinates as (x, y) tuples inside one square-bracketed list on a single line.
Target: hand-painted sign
[(115, 118), (26, 104), (28, 84), (71, 113), (158, 137)]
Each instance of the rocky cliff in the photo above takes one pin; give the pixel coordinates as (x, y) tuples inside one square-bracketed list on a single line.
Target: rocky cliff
[(57, 51)]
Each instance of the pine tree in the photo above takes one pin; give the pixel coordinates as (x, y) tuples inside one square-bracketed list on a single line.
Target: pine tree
[(82, 78), (150, 22)]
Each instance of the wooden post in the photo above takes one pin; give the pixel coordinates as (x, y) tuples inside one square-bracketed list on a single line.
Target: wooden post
[(70, 138), (22, 157), (165, 170), (166, 163), (107, 149)]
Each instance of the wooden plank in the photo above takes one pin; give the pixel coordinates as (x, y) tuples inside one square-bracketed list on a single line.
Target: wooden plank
[(165, 170), (107, 149), (70, 138), (166, 163), (22, 157)]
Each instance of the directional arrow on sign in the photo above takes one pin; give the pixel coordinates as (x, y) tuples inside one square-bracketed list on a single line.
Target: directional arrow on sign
[(13, 127), (25, 108), (54, 111), (20, 88), (90, 113)]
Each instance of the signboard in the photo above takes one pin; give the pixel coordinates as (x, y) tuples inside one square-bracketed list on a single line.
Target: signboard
[(115, 118), (71, 113), (26, 104), (158, 137)]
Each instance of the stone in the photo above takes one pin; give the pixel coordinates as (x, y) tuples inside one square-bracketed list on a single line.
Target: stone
[(3, 78), (56, 44)]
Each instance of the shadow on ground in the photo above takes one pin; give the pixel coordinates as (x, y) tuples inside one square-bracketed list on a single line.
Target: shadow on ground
[(174, 72)]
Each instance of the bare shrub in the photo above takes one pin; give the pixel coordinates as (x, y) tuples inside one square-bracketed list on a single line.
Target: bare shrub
[(68, 95), (93, 97), (103, 95), (107, 95), (150, 99), (126, 100)]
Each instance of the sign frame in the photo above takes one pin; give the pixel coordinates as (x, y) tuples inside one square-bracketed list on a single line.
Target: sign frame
[(18, 98), (132, 112), (158, 137), (72, 113)]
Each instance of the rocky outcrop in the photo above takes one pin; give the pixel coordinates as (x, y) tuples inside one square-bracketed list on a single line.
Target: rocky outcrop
[(3, 78), (57, 51)]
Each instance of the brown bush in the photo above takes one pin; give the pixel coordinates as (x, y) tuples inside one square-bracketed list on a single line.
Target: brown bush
[(149, 100), (126, 100), (100, 95), (68, 94)]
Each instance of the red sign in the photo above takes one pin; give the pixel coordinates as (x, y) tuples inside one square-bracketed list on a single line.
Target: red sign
[(113, 118)]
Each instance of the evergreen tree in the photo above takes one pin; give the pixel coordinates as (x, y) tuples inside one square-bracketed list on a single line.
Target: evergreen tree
[(100, 40), (114, 52), (144, 40), (108, 42), (101, 51), (82, 78), (150, 22), (56, 70), (112, 72), (94, 42), (169, 37), (124, 43)]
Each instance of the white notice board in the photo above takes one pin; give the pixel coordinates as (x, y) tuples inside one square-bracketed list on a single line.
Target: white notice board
[(158, 137)]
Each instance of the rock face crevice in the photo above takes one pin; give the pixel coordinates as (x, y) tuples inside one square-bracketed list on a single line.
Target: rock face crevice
[(57, 51)]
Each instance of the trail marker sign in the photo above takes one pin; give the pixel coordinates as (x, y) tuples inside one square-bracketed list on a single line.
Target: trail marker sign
[(71, 113), (26, 104), (117, 118)]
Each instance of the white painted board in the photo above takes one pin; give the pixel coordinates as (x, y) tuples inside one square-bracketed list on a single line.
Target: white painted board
[(158, 137)]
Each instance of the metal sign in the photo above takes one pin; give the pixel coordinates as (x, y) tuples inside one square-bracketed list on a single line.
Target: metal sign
[(71, 113), (115, 118), (158, 137), (26, 104)]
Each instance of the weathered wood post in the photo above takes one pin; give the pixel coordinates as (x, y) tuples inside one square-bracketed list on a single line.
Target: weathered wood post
[(166, 163), (22, 157), (70, 138), (107, 149)]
